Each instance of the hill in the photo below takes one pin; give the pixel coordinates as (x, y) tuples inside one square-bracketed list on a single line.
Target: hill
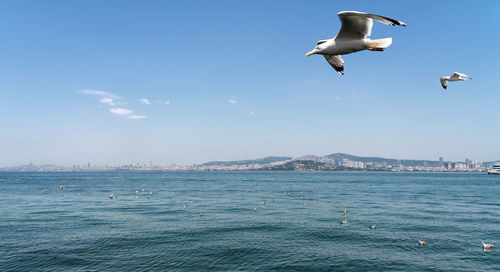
[(262, 161)]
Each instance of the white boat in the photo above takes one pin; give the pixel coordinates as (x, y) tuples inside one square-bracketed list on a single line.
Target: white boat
[(495, 170)]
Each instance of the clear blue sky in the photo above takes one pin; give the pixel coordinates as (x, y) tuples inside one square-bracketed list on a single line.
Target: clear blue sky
[(238, 84)]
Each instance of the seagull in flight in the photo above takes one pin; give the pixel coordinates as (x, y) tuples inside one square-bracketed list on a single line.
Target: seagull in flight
[(353, 37), (455, 77)]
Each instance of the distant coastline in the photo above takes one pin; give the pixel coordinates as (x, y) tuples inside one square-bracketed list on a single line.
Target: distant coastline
[(332, 162)]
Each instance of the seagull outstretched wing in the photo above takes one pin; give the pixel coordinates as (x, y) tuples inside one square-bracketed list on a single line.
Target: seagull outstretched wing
[(358, 25), (336, 62)]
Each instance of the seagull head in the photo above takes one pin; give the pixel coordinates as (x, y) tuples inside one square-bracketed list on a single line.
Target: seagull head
[(322, 46), (317, 50)]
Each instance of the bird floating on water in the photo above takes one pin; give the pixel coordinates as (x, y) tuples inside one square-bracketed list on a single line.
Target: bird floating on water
[(305, 205), (61, 187), (422, 242), (344, 212), (343, 222), (455, 77), (254, 209), (353, 37), (373, 227), (487, 246), (112, 196), (274, 200)]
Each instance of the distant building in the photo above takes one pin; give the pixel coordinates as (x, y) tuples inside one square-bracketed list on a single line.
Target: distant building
[(449, 165)]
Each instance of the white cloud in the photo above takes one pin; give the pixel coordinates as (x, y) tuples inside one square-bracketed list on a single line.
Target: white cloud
[(252, 113), (337, 98), (145, 101), (232, 101), (167, 102), (108, 101), (121, 111), (137, 117), (99, 93)]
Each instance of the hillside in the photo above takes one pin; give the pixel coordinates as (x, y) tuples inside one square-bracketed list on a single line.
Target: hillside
[(262, 161)]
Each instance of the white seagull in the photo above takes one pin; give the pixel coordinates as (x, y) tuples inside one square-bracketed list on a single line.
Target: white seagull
[(455, 77), (487, 246), (353, 37)]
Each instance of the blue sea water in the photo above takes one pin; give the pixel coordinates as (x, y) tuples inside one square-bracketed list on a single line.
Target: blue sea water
[(80, 228)]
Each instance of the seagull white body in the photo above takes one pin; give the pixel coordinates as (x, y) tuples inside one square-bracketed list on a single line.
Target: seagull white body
[(487, 246), (455, 77), (353, 37)]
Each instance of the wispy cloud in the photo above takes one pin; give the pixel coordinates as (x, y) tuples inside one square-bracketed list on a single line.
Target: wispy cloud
[(337, 98), (232, 101), (167, 102), (145, 101), (108, 101), (99, 93), (121, 111), (252, 113), (114, 101), (137, 117)]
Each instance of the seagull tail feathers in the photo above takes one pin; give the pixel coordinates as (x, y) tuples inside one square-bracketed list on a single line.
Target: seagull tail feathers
[(379, 44)]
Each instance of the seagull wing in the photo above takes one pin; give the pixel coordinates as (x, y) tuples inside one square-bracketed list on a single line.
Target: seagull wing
[(458, 75), (358, 25), (336, 62), (444, 83)]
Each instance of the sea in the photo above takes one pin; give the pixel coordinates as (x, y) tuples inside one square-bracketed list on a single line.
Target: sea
[(248, 221)]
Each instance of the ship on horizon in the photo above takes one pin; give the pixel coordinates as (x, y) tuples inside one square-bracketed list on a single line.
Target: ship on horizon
[(495, 170)]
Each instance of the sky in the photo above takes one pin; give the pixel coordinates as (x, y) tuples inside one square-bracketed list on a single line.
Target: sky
[(118, 82)]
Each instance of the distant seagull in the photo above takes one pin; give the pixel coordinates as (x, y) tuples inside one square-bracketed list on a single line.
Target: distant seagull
[(344, 213), (455, 77), (422, 242), (305, 205), (201, 214), (373, 227), (263, 202), (44, 190), (343, 222), (353, 37), (254, 209), (112, 196), (487, 246), (274, 200), (61, 187)]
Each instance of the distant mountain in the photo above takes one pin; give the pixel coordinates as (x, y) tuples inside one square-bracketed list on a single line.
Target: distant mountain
[(493, 162), (300, 165), (340, 156), (263, 161)]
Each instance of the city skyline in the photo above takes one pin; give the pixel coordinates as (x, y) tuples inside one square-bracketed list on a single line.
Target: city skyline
[(357, 160), (120, 81)]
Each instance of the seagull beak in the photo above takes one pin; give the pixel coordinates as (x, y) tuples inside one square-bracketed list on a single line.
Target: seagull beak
[(310, 53)]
